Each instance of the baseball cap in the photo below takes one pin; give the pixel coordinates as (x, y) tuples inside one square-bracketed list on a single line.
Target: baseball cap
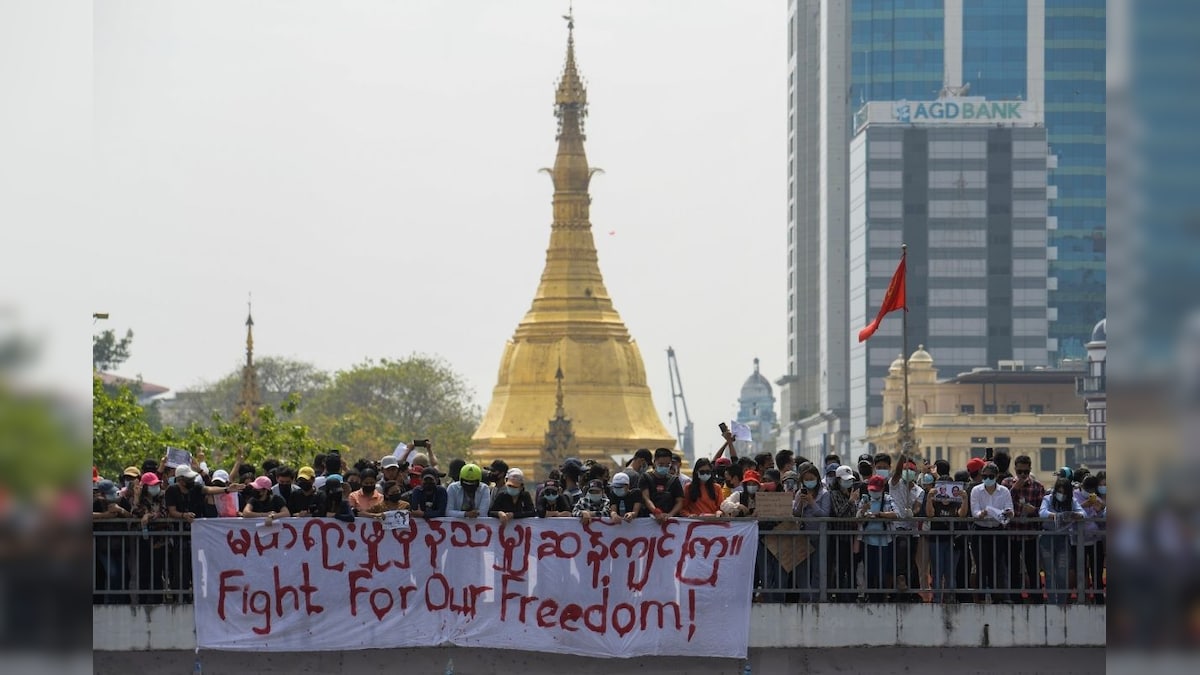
[(184, 471), (595, 484), (910, 465), (831, 468), (550, 485), (515, 474), (305, 472), (498, 466), (150, 478), (333, 478), (844, 472), (389, 462), (107, 488), (430, 471), (642, 453), (975, 465), (132, 472), (221, 475), (751, 477), (620, 480), (876, 483), (262, 483), (723, 461), (1064, 472)]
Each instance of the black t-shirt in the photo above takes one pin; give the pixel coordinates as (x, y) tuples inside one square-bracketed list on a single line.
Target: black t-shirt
[(184, 502), (520, 506), (273, 503), (102, 506), (300, 504), (625, 504), (560, 503), (663, 490)]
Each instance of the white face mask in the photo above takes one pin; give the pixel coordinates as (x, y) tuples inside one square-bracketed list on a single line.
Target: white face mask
[(751, 488)]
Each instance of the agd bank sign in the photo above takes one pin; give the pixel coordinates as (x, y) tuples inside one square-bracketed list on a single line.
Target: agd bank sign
[(955, 111)]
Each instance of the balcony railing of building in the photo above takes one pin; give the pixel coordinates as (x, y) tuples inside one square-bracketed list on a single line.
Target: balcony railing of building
[(806, 560), (1089, 385)]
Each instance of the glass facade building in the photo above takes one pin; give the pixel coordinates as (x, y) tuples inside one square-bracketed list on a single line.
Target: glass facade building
[(844, 54)]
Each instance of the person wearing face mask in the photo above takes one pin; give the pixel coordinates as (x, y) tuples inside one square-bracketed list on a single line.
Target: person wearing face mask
[(366, 496), (225, 503), (467, 498), (303, 499), (1093, 504), (1060, 514), (624, 503), (810, 500), (1023, 556), (551, 502), (991, 507), (331, 500), (839, 554), (390, 491), (943, 547), (429, 500), (512, 500), (702, 498), (741, 501), (908, 498), (878, 510), (593, 503), (662, 493), (264, 503), (883, 467), (790, 482), (150, 556)]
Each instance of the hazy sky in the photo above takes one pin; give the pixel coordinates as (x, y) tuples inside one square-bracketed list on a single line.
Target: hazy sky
[(368, 170)]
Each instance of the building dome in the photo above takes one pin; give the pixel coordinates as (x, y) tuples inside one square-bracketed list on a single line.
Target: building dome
[(920, 356), (897, 367), (756, 387), (1100, 332)]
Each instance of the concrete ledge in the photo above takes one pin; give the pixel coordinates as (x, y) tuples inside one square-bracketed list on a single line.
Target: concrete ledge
[(120, 628), (927, 625)]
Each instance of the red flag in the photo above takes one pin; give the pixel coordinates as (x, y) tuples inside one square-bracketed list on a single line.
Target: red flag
[(893, 300)]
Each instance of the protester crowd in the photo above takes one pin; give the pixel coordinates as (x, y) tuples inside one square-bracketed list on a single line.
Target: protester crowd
[(878, 531)]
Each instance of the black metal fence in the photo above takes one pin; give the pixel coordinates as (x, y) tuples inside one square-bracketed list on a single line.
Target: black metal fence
[(798, 560)]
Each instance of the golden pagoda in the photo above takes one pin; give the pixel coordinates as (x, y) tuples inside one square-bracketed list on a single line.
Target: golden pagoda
[(572, 327), (249, 400)]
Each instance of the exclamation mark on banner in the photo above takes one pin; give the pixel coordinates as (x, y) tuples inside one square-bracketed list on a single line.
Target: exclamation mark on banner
[(691, 613)]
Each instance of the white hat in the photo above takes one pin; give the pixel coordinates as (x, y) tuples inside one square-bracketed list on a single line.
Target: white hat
[(184, 471), (515, 474), (319, 482), (844, 471), (389, 462), (221, 475), (620, 479)]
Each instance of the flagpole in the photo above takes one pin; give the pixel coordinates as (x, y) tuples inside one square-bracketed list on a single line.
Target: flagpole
[(905, 432)]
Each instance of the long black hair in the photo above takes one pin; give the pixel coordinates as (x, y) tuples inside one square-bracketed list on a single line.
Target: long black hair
[(1064, 485), (694, 487)]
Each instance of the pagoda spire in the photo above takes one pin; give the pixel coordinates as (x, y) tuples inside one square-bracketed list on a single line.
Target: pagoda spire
[(249, 400)]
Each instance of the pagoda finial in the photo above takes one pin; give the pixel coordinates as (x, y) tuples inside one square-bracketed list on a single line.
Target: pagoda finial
[(250, 400), (756, 364), (559, 411)]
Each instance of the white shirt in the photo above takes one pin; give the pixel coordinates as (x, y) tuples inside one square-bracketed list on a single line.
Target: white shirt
[(1001, 500), (906, 496)]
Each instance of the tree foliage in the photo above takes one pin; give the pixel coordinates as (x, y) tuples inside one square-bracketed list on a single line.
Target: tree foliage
[(279, 379), (108, 352), (372, 406)]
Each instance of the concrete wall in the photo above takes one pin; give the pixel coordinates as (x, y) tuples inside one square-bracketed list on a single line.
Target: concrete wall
[(455, 661), (829, 638)]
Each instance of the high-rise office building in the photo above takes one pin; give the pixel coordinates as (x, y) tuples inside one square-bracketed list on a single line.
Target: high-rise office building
[(846, 53), (961, 181)]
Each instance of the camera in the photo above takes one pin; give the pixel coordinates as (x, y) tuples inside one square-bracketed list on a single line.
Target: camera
[(723, 427), (990, 454), (421, 443), (803, 490)]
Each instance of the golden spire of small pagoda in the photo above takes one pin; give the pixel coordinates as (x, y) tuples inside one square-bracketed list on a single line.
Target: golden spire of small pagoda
[(560, 436), (250, 399)]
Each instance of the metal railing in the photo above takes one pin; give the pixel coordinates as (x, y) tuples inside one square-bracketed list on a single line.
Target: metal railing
[(798, 560)]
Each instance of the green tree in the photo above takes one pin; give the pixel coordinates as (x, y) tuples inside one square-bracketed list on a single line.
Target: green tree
[(369, 408), (121, 434), (108, 352), (279, 379)]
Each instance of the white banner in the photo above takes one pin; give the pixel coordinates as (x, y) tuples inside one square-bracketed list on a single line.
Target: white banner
[(554, 584)]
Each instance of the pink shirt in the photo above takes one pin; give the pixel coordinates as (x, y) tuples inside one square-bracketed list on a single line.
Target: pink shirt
[(363, 503)]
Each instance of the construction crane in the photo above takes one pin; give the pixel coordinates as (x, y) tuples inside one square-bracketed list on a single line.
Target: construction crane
[(685, 435)]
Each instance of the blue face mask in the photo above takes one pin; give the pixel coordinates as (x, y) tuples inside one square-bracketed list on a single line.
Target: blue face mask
[(909, 475), (989, 482), (512, 491), (886, 473), (1103, 490), (810, 484), (620, 491), (662, 470), (847, 483), (927, 478)]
